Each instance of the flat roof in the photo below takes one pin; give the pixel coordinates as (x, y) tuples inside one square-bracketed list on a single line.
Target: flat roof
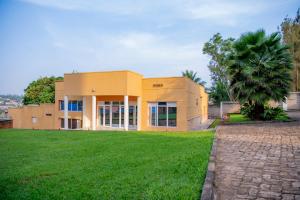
[(104, 72)]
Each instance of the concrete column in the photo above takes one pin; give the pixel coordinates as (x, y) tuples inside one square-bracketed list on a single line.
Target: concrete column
[(84, 126), (139, 113), (66, 103), (93, 112), (126, 113)]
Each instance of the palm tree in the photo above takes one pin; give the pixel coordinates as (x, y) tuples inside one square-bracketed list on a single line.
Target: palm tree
[(193, 76), (260, 70)]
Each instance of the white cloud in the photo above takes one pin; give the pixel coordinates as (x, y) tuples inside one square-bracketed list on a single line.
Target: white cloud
[(149, 54), (225, 12)]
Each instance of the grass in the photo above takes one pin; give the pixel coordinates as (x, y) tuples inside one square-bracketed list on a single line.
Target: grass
[(38, 164), (237, 118)]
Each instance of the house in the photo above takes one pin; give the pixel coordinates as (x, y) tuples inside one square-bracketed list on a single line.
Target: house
[(118, 100)]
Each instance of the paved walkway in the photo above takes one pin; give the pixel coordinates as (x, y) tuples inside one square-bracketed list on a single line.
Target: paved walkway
[(258, 161)]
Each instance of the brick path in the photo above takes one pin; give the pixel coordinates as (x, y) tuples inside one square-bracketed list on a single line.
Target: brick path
[(258, 161)]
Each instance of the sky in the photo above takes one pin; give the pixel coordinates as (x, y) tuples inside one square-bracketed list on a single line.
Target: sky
[(156, 38)]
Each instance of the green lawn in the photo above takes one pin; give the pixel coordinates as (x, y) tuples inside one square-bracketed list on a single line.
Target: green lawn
[(237, 118), (102, 165)]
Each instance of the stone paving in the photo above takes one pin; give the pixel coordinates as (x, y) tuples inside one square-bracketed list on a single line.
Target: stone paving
[(258, 161)]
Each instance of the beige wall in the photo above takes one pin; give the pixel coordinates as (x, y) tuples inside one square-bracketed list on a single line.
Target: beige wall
[(103, 83), (22, 117)]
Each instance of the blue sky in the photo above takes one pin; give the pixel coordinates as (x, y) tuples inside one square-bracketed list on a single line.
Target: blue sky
[(155, 37)]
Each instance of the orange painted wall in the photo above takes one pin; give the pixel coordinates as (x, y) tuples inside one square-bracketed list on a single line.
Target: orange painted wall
[(22, 117)]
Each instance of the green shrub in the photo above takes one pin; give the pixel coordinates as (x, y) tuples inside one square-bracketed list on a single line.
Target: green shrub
[(248, 110), (269, 113)]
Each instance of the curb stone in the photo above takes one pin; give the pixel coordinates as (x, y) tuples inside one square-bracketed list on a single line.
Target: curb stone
[(208, 190)]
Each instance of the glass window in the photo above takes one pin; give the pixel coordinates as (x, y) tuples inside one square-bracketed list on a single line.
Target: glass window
[(69, 106), (115, 116), (107, 115), (122, 116), (172, 116), (74, 105), (79, 105), (61, 105), (162, 116), (153, 114), (115, 103), (101, 115)]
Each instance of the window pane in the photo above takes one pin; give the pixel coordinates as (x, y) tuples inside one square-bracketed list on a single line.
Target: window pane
[(162, 116), (115, 103), (131, 113), (69, 106), (172, 115), (153, 115), (115, 116), (62, 105), (101, 115), (107, 115), (122, 116), (79, 105), (74, 106)]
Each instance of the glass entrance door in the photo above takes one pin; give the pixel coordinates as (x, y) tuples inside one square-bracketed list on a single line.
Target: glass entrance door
[(111, 114)]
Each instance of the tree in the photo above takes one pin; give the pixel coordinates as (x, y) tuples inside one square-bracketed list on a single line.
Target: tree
[(193, 76), (290, 29), (260, 70), (41, 91), (218, 92), (219, 49)]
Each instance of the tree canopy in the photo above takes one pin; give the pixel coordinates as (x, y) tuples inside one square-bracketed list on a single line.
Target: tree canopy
[(290, 29), (193, 76), (218, 49), (41, 91), (260, 69)]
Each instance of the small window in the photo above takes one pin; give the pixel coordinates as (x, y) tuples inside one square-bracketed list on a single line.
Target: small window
[(61, 105), (48, 114)]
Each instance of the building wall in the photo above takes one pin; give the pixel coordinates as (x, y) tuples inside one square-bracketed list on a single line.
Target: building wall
[(103, 83), (197, 104), (22, 117), (169, 90)]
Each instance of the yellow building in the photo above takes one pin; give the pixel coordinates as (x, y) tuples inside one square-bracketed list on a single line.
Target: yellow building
[(118, 100)]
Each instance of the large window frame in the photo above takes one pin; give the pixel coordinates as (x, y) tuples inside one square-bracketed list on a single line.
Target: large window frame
[(158, 114), (73, 106)]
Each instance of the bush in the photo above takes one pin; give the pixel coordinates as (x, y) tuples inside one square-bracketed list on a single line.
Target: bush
[(269, 113), (248, 110)]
